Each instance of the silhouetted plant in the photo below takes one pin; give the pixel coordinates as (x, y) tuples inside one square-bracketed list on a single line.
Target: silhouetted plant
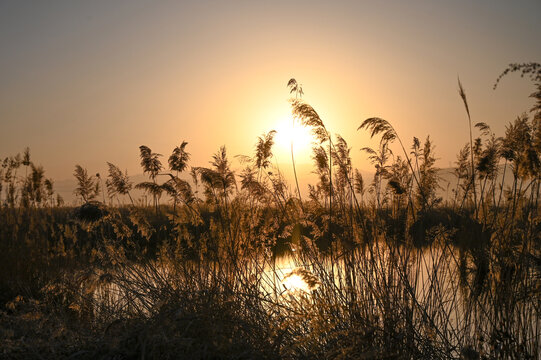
[(206, 283), (531, 70), (264, 150), (26, 160), (49, 184), (177, 188), (178, 161), (428, 180), (257, 174), (294, 87), (87, 187), (377, 126), (463, 174), (310, 118), (487, 160), (250, 183), (359, 185), (379, 160), (118, 183), (37, 185), (466, 106), (13, 164), (344, 174), (321, 161), (530, 161), (151, 165), (400, 182), (219, 181)]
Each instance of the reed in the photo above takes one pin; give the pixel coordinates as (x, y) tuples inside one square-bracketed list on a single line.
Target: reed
[(246, 269)]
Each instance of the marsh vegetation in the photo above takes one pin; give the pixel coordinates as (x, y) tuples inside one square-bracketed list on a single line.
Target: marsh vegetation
[(237, 265)]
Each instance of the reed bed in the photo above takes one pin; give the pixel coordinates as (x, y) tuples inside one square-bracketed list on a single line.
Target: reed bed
[(227, 265)]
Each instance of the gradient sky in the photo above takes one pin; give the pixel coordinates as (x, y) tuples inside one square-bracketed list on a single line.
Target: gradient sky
[(85, 82)]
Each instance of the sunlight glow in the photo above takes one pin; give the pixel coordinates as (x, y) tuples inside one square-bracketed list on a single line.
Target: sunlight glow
[(295, 283), (288, 130), (300, 280)]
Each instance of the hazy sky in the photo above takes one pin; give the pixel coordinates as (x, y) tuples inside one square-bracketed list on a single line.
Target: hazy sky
[(85, 82)]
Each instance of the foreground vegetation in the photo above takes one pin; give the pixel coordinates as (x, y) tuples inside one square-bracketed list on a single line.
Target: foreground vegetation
[(239, 266)]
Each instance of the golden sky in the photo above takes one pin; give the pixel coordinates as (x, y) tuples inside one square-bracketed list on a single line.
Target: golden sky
[(88, 82)]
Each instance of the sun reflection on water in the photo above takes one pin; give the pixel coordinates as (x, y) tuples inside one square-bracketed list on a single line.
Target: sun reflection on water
[(300, 280)]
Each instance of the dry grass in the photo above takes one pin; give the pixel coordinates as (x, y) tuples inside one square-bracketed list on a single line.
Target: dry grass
[(390, 271)]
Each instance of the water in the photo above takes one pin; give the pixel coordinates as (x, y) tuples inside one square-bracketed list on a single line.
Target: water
[(436, 289)]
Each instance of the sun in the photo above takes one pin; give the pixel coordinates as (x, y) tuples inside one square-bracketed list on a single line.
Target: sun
[(293, 282), (300, 280), (291, 131)]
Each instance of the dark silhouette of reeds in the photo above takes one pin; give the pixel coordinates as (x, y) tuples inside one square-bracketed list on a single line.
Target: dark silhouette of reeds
[(391, 270)]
